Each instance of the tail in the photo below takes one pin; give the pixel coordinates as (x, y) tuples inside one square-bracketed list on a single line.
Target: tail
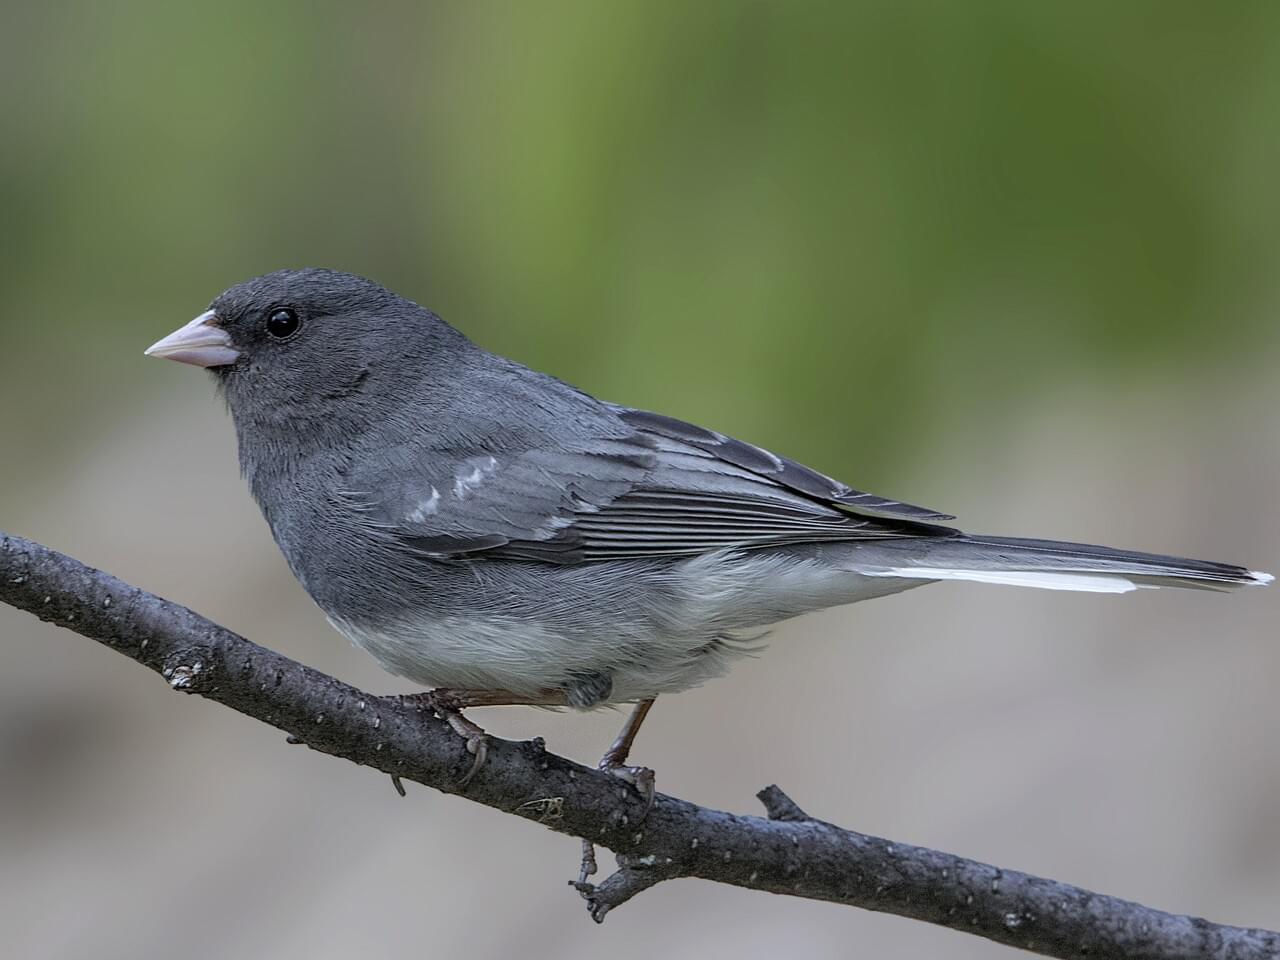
[(1054, 565)]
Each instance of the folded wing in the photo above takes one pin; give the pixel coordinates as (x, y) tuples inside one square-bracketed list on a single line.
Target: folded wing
[(663, 488)]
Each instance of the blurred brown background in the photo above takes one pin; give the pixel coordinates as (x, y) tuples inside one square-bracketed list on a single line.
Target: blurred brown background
[(1014, 261)]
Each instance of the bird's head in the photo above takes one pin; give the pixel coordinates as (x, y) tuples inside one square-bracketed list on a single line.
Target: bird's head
[(305, 345)]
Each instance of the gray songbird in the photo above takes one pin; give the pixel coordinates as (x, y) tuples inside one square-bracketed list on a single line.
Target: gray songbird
[(496, 534)]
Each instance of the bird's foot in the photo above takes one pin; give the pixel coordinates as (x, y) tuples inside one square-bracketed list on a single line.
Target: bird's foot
[(614, 760), (448, 704), (448, 707), (640, 779)]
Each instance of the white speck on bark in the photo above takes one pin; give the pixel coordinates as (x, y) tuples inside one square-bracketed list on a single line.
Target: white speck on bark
[(181, 677)]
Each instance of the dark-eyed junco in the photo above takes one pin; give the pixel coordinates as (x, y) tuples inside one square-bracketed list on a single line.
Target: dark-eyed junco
[(497, 534)]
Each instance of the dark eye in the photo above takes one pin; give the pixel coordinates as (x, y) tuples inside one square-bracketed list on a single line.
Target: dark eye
[(283, 323)]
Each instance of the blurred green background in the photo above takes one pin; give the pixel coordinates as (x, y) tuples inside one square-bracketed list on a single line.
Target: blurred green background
[(1014, 260), (750, 212)]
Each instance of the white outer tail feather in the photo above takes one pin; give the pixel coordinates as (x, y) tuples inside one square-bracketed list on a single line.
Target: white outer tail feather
[(1043, 579)]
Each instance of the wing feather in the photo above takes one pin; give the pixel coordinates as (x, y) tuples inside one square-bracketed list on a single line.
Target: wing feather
[(655, 487), (786, 473)]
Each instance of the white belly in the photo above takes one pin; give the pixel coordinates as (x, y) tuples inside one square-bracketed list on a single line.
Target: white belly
[(710, 610), (487, 652)]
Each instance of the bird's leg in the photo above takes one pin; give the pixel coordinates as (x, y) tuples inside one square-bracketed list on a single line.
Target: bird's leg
[(640, 778), (615, 758), (448, 705), (617, 754)]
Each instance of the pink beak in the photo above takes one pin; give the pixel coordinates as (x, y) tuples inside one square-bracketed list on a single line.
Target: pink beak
[(200, 342)]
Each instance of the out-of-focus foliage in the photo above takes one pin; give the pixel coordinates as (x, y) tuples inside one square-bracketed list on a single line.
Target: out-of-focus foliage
[(778, 218)]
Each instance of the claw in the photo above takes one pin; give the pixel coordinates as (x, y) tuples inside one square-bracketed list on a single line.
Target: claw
[(478, 747)]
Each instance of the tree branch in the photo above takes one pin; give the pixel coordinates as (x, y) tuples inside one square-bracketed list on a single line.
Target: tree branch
[(789, 853)]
